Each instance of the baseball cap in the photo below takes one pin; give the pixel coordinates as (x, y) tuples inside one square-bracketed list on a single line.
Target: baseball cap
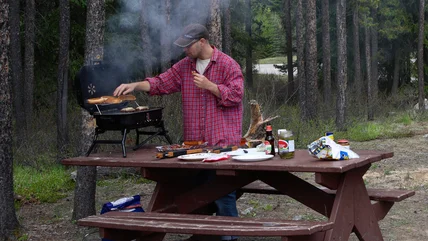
[(191, 34)]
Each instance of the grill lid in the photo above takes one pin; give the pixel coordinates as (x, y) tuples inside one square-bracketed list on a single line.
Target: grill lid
[(98, 80)]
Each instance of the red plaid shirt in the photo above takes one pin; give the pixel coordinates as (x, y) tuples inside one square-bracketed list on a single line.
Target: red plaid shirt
[(207, 117)]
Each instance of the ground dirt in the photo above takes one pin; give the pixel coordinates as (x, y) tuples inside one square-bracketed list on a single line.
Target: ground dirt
[(407, 220)]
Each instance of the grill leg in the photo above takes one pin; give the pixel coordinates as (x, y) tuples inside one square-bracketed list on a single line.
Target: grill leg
[(94, 141), (161, 131), (125, 131)]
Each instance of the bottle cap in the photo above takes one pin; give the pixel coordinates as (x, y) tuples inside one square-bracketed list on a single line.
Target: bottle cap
[(269, 128)]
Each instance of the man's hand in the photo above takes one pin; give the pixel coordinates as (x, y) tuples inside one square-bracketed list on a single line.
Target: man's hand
[(202, 82), (124, 89)]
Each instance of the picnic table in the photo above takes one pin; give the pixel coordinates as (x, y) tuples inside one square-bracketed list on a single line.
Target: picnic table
[(338, 192)]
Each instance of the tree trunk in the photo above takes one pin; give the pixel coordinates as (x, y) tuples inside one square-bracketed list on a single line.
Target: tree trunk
[(369, 77), (227, 36), (342, 73), (30, 12), (358, 81), (84, 194), (215, 24), (301, 77), (289, 51), (16, 69), (421, 55), (375, 61), (249, 54), (8, 220), (326, 53), (62, 90), (396, 77), (165, 37), (145, 39), (311, 60)]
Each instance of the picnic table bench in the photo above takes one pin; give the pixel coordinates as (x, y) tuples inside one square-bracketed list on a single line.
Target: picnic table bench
[(123, 226), (343, 199)]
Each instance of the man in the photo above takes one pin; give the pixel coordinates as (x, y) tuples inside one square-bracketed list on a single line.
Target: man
[(212, 90)]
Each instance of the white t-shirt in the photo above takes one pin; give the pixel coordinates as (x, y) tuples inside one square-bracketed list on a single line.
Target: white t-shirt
[(201, 65)]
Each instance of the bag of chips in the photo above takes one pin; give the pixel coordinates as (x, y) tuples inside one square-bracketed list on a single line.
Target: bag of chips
[(326, 148)]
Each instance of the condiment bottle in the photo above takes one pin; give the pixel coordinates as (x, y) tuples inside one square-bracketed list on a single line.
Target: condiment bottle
[(285, 144), (269, 141), (344, 143)]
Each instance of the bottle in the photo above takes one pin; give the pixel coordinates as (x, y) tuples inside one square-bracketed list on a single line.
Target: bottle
[(269, 141), (285, 144)]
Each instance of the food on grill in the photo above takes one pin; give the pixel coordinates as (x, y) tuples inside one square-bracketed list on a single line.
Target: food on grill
[(127, 97), (142, 108), (97, 100), (128, 109), (175, 147), (111, 100)]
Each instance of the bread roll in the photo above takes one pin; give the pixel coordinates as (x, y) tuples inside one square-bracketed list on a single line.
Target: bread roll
[(127, 97), (111, 100), (97, 100), (142, 108), (128, 109)]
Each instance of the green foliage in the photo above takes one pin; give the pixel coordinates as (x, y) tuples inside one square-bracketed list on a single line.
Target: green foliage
[(46, 184), (364, 131)]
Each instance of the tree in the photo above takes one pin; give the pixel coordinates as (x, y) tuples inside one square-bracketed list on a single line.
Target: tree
[(84, 194), (215, 24), (357, 58), (165, 36), (249, 52), (289, 48), (227, 36), (8, 220), (16, 69), (369, 77), (421, 38), (30, 13), (301, 76), (62, 88), (375, 56), (326, 53), (145, 39), (342, 73), (311, 61)]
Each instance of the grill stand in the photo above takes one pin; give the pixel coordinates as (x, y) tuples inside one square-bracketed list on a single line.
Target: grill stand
[(161, 131)]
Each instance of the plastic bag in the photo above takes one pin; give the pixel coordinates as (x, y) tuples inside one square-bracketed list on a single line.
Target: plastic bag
[(326, 148)]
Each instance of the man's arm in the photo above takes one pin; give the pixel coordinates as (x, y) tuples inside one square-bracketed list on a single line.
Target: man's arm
[(124, 89)]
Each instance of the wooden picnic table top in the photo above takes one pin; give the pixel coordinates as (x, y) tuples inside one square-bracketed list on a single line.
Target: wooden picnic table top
[(302, 162)]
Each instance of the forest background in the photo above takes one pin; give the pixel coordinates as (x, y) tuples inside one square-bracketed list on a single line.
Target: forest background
[(352, 67)]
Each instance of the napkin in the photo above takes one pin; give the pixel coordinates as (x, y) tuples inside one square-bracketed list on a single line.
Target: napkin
[(217, 157)]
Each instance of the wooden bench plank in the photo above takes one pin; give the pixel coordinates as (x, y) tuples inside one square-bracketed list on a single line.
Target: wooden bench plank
[(202, 224), (386, 195)]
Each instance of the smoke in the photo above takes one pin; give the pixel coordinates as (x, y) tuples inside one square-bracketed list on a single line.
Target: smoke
[(123, 31)]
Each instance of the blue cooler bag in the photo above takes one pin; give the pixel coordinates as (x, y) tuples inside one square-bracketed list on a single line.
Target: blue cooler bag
[(126, 204)]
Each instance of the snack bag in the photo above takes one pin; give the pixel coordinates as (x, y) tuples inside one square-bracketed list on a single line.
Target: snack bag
[(326, 148)]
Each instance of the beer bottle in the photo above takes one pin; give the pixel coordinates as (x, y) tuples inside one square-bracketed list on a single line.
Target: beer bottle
[(269, 141)]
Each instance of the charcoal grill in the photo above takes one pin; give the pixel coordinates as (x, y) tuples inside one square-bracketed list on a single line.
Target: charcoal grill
[(101, 80)]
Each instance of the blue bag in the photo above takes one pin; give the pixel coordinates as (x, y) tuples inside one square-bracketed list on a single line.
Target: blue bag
[(126, 204)]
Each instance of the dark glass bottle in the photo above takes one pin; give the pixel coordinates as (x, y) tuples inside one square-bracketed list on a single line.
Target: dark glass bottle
[(269, 141)]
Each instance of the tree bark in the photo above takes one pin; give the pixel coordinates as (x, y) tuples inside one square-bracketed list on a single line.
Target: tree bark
[(145, 39), (30, 34), (421, 38), (311, 60), (358, 81), (62, 88), (16, 69), (342, 73), (301, 77), (326, 53), (8, 220), (289, 47), (215, 24), (227, 36), (396, 77), (249, 53), (375, 61), (84, 194), (369, 77), (165, 36)]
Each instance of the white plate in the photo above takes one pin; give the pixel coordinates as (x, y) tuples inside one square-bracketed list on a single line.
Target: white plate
[(252, 157), (241, 151), (194, 157)]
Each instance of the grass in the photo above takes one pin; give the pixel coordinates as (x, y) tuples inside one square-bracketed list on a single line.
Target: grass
[(45, 185), (274, 60)]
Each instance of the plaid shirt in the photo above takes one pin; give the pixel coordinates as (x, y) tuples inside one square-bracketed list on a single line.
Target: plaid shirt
[(217, 121)]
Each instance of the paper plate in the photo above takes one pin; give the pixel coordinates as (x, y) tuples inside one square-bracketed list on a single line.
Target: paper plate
[(252, 157), (194, 157)]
